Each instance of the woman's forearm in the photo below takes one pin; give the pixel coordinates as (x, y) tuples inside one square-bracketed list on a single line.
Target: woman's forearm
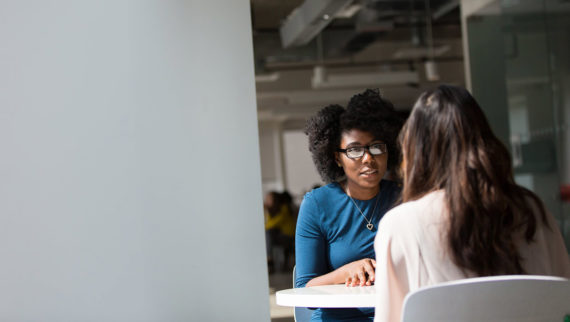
[(335, 277), (360, 272)]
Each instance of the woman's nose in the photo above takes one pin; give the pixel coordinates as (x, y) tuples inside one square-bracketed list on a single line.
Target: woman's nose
[(367, 157)]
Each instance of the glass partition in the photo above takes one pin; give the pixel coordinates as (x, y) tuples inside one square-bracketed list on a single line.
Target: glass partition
[(520, 72)]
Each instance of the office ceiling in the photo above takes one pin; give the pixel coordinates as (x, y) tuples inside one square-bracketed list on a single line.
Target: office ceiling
[(370, 40)]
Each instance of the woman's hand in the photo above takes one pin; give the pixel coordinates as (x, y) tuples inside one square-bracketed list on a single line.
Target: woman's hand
[(360, 272), (357, 273)]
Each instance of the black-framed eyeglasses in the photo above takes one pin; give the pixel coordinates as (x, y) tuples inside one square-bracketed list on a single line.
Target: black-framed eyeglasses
[(355, 152)]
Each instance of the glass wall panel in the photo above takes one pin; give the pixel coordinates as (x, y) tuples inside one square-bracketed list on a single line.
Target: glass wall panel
[(520, 73)]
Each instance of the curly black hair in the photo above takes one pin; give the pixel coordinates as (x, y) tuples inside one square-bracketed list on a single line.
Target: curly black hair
[(367, 112)]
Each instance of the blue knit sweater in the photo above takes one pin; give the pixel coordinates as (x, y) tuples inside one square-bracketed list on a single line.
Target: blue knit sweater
[(331, 232)]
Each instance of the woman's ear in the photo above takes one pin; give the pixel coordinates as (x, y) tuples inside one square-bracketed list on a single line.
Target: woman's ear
[(337, 159)]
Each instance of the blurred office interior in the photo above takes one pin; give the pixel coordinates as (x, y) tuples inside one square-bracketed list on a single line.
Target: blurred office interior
[(513, 55), (117, 203)]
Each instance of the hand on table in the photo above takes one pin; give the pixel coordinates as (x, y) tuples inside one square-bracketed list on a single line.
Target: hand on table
[(360, 272)]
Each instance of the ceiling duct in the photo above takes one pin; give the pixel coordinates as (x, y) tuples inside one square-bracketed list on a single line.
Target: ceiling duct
[(323, 79), (307, 20)]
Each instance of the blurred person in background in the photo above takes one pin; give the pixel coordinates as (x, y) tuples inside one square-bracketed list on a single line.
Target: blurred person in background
[(279, 228)]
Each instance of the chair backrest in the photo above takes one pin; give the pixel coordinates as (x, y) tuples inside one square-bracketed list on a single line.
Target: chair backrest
[(301, 314), (498, 298)]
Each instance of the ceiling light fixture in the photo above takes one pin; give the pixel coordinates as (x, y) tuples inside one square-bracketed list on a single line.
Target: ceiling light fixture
[(267, 78), (349, 11), (420, 52), (323, 79), (430, 66)]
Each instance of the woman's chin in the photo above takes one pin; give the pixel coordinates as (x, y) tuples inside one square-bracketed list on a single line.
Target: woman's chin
[(370, 179)]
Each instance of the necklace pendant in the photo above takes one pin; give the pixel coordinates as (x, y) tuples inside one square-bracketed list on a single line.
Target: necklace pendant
[(369, 226)]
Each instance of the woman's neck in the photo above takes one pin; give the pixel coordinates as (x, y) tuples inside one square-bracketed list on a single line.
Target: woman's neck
[(360, 193)]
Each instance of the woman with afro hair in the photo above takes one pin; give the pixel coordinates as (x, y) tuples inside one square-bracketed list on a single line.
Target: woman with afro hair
[(352, 149)]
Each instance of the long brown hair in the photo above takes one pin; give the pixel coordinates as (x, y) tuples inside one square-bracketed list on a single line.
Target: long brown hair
[(448, 144)]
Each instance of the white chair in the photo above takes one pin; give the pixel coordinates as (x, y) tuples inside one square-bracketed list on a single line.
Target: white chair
[(300, 314), (498, 298)]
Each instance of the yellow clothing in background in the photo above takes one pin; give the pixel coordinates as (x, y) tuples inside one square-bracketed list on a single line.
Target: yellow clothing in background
[(283, 221)]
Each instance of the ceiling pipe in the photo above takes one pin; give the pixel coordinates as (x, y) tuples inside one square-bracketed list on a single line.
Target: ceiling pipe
[(432, 74), (308, 20)]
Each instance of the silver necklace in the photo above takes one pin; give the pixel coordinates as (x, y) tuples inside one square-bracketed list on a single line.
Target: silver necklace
[(369, 225)]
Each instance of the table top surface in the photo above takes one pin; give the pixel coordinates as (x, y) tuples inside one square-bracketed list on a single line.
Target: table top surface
[(328, 296)]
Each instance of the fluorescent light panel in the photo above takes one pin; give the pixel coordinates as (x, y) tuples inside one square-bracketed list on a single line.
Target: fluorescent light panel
[(321, 79)]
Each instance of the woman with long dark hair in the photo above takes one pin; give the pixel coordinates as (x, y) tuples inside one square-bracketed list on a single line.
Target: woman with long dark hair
[(462, 214)]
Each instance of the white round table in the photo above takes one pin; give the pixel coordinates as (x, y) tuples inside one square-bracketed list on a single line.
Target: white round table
[(331, 296)]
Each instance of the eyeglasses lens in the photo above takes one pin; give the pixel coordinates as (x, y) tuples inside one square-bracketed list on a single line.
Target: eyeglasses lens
[(375, 149), (355, 152)]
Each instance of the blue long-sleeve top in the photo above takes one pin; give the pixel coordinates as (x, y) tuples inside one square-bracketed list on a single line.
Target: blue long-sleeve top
[(331, 232)]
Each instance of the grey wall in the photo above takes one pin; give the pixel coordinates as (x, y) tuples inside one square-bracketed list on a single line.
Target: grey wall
[(487, 72), (130, 185)]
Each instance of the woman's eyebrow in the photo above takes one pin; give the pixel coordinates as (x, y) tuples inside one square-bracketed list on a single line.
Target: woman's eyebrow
[(356, 143)]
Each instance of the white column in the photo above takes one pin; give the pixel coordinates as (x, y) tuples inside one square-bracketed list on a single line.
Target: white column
[(128, 190)]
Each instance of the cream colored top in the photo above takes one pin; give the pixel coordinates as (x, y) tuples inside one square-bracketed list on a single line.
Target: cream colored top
[(411, 253)]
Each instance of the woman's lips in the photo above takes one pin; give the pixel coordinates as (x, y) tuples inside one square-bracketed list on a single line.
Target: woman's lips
[(369, 172)]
